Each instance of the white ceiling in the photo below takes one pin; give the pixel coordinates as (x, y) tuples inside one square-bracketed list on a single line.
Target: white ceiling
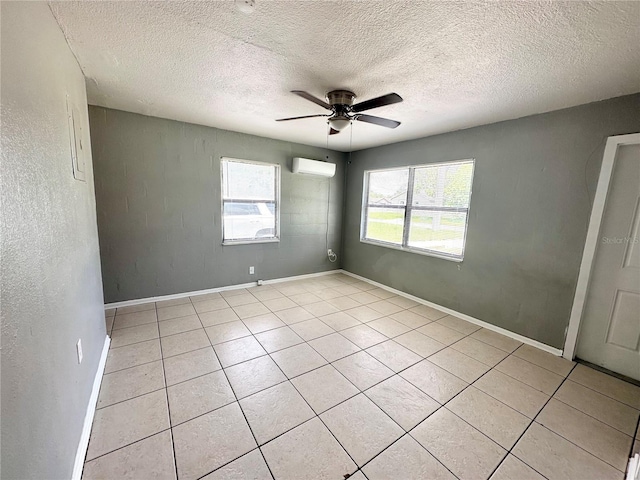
[(456, 64)]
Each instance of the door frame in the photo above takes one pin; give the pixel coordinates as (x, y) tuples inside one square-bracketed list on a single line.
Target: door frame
[(591, 243)]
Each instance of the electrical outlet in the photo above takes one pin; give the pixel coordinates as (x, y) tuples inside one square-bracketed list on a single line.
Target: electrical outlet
[(259, 283), (79, 350), (252, 270)]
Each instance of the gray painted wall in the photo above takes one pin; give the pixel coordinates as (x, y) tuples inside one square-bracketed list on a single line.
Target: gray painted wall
[(535, 178), (158, 199), (50, 271)]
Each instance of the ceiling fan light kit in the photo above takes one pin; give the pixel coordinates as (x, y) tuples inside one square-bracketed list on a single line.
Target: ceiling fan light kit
[(343, 111), (339, 123)]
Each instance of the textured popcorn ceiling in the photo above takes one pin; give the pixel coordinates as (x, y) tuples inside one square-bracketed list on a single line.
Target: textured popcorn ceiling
[(457, 64)]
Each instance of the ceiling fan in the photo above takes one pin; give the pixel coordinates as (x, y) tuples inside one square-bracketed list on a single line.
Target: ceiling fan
[(343, 111)]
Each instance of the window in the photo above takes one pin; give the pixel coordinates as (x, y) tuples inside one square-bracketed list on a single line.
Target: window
[(250, 201), (422, 209)]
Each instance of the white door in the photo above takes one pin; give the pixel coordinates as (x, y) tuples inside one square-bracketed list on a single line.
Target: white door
[(610, 328)]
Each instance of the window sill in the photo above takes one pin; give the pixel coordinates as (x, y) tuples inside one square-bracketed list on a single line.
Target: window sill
[(412, 250), (249, 242)]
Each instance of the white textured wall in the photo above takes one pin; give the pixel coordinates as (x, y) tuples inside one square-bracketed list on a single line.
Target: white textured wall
[(50, 269)]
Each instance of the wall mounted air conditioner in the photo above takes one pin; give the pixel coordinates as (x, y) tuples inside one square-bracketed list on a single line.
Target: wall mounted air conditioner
[(306, 166)]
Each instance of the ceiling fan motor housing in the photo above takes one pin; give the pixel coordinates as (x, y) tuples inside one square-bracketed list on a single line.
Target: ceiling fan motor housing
[(341, 97)]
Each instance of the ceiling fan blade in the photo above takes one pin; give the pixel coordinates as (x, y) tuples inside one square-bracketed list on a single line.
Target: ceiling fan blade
[(311, 98), (333, 131), (383, 122), (387, 99), (298, 118)]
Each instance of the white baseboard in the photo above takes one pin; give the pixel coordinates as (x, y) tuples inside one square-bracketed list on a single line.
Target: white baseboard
[(633, 468), (302, 277), (139, 301), (488, 326), (91, 410)]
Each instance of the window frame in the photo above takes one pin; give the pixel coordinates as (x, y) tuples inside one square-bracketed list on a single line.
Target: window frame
[(276, 237), (408, 207)]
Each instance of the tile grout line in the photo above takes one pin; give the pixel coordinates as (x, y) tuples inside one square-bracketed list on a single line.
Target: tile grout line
[(561, 436), (533, 420), (238, 458), (318, 415), (469, 384), (601, 393), (131, 398), (635, 438), (207, 412), (578, 446), (241, 410), (567, 378), (408, 434), (287, 379), (365, 350), (441, 405), (130, 443), (135, 396), (540, 366), (289, 325), (405, 432), (166, 393), (363, 392), (595, 418), (446, 346), (530, 421), (165, 388), (307, 342), (328, 429), (361, 349)]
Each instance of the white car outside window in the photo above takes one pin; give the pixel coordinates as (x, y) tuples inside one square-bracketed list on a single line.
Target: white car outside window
[(248, 220)]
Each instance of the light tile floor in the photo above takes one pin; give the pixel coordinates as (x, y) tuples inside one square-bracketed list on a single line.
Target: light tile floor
[(330, 377)]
